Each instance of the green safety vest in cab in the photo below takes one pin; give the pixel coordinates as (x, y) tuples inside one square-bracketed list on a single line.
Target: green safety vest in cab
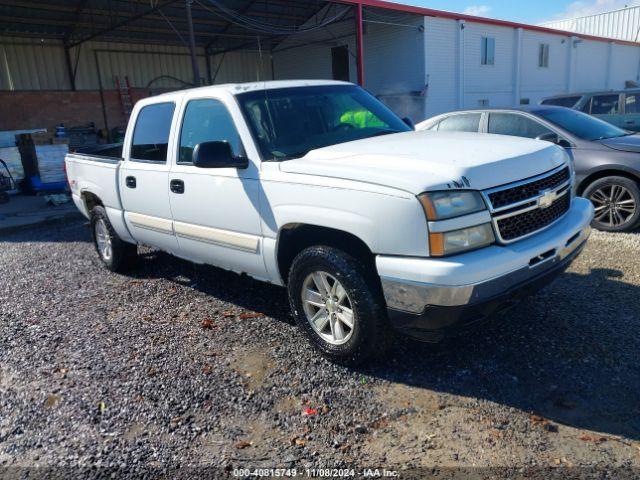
[(361, 119)]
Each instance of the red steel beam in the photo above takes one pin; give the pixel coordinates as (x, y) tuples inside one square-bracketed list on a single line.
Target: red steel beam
[(430, 12)]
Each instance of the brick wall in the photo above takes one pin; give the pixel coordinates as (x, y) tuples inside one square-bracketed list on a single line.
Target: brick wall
[(46, 109)]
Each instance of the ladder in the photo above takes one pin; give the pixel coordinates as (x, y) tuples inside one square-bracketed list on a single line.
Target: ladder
[(126, 99)]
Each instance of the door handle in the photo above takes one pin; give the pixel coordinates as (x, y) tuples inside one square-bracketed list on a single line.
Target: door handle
[(176, 186), (130, 182), (630, 122)]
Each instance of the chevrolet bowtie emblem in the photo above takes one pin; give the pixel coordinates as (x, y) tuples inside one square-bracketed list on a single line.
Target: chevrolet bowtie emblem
[(546, 199)]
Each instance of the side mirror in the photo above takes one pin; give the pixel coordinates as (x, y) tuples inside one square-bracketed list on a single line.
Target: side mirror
[(217, 155), (409, 123), (554, 138)]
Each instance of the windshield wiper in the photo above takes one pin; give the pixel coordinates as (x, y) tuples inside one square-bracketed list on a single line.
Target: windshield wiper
[(302, 153), (290, 156), (384, 132)]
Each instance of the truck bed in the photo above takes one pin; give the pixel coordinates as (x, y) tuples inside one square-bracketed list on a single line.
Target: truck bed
[(94, 173)]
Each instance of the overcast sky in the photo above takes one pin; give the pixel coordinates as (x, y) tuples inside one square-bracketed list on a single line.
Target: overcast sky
[(526, 11)]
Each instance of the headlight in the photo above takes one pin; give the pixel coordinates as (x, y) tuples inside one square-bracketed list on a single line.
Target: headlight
[(447, 243), (443, 205)]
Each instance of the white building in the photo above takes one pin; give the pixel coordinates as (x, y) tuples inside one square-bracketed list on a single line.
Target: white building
[(425, 62)]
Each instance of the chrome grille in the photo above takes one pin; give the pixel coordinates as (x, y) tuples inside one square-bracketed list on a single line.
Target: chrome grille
[(518, 226), (524, 208), (508, 196)]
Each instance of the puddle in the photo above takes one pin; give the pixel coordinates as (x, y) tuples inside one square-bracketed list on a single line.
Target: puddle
[(134, 431), (398, 396), (253, 365)]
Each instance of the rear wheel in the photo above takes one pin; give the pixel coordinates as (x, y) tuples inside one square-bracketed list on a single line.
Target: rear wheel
[(116, 255), (338, 303), (617, 204)]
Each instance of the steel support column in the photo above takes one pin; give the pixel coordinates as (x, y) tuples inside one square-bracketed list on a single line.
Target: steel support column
[(192, 45), (359, 45), (70, 71), (104, 107), (207, 59)]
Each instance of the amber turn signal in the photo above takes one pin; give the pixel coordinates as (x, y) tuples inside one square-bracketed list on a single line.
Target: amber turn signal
[(436, 244)]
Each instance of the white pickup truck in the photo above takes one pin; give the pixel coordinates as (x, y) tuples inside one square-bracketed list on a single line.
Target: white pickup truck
[(316, 185)]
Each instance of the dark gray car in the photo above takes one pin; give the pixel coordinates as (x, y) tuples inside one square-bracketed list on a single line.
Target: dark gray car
[(606, 158)]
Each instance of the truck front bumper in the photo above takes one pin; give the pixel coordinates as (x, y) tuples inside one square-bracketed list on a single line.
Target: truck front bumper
[(430, 298)]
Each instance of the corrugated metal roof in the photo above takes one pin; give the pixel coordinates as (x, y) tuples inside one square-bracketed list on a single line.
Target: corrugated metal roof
[(221, 24), (622, 24)]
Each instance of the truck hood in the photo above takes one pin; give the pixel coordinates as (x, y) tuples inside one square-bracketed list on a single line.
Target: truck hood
[(628, 143), (426, 160)]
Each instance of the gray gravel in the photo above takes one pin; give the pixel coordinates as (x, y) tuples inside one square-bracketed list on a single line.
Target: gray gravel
[(177, 366)]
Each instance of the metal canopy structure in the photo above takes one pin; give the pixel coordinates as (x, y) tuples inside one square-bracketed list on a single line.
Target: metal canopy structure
[(217, 26)]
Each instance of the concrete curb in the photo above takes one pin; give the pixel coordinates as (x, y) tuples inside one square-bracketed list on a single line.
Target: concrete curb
[(40, 222)]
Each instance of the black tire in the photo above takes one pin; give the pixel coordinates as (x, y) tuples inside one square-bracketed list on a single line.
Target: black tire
[(370, 335), (603, 186), (123, 255)]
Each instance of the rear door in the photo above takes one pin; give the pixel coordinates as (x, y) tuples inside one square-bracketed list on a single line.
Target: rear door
[(631, 119), (144, 176)]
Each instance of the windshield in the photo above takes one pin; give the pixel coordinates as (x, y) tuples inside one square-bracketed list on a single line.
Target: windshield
[(580, 124), (289, 122)]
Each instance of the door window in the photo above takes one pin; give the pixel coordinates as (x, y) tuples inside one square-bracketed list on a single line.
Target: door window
[(461, 123), (632, 103), (604, 105), (515, 125), (206, 120), (151, 133)]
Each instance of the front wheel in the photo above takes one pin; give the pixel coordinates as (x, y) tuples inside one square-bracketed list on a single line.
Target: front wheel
[(116, 255), (617, 204), (338, 303)]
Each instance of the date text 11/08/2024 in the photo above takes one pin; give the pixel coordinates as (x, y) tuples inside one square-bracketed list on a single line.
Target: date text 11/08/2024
[(315, 472)]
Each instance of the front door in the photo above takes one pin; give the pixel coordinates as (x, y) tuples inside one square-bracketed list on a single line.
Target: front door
[(144, 178), (215, 210)]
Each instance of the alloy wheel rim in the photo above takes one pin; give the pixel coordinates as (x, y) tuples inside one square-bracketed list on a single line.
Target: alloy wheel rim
[(328, 307), (103, 240), (614, 205)]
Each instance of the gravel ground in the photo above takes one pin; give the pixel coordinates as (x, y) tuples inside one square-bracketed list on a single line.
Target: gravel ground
[(187, 367)]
